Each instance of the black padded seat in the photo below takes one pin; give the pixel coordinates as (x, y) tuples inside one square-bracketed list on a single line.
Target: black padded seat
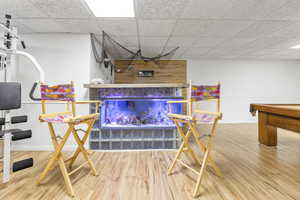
[(17, 134)]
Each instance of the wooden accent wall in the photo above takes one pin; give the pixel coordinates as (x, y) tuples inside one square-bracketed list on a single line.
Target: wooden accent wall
[(165, 71)]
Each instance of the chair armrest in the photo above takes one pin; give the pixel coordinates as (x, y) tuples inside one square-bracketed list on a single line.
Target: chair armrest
[(182, 101), (217, 114), (98, 103), (88, 102)]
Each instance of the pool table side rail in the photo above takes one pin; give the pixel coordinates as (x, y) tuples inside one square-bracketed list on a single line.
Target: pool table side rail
[(276, 109)]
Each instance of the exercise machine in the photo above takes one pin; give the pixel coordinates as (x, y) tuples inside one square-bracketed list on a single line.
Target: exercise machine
[(10, 98)]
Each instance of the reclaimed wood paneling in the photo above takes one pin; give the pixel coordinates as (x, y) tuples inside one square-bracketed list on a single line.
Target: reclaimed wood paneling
[(165, 71)]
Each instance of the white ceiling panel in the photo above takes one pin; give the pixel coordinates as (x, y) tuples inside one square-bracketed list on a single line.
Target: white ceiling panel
[(155, 27), (130, 41), (262, 29), (220, 52), (195, 52), (63, 8), (201, 28), (80, 26), (225, 28), (291, 30), (151, 51), (152, 46), (153, 41), (235, 42), (177, 54), (215, 9), (159, 9), (262, 43), (20, 8), (22, 28), (286, 44), (43, 25), (252, 9), (121, 27), (289, 11), (209, 28), (209, 41), (181, 41), (190, 28)]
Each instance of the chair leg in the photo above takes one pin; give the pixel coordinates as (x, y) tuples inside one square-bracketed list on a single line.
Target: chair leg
[(203, 166), (85, 137), (185, 138), (66, 176), (84, 152), (176, 158), (55, 156)]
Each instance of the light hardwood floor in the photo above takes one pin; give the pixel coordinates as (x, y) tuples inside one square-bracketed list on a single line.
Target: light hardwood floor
[(251, 171)]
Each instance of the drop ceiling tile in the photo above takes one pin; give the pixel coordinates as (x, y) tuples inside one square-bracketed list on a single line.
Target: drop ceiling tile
[(151, 51), (252, 9), (176, 54), (121, 53), (153, 41), (209, 41), (187, 28), (226, 28), (119, 27), (22, 29), (209, 28), (286, 44), (289, 11), (19, 8), (181, 41), (80, 26), (131, 41), (42, 25), (280, 57), (235, 42), (266, 42), (219, 52), (265, 52), (215, 9), (262, 29), (155, 27), (195, 52), (75, 9), (159, 9), (291, 30)]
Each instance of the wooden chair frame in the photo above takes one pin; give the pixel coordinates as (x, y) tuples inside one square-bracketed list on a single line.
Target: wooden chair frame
[(191, 123), (57, 157)]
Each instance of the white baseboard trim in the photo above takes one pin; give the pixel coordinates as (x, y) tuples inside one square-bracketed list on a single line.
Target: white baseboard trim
[(41, 148), (237, 122), (73, 147)]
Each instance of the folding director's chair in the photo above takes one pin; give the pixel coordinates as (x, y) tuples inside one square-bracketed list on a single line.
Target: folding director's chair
[(190, 120), (66, 94)]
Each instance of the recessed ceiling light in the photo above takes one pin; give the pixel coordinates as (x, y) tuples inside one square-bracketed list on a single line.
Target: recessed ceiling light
[(295, 47), (111, 8)]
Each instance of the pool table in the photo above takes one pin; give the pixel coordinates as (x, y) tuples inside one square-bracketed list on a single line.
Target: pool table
[(273, 116)]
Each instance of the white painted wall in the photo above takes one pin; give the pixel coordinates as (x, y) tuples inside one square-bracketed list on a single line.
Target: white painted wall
[(67, 57), (98, 70), (247, 81), (64, 57)]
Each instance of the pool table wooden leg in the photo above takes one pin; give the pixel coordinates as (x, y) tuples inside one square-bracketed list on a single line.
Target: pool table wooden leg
[(267, 134)]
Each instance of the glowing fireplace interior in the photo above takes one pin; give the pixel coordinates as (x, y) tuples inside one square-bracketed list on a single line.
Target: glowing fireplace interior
[(135, 113)]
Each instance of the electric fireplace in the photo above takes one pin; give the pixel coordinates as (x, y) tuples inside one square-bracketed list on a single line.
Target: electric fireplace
[(135, 116)]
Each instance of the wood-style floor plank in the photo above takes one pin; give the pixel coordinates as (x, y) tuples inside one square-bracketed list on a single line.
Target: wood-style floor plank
[(251, 171)]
